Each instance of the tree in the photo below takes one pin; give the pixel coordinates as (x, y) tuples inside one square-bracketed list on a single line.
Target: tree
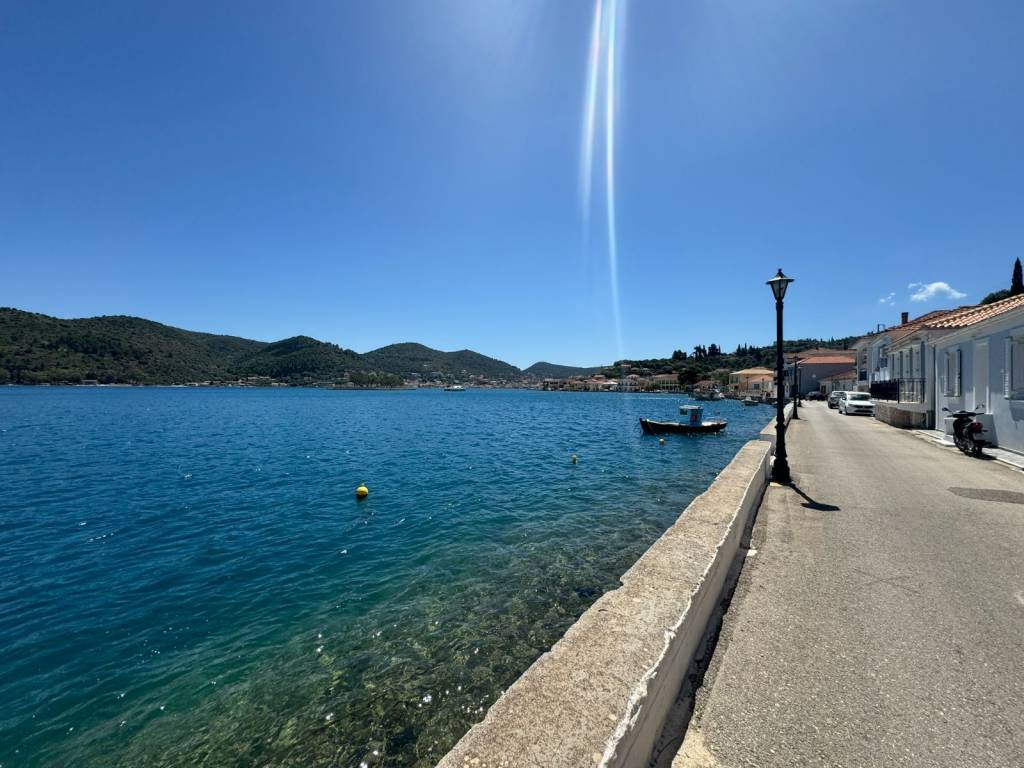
[(1017, 281), (995, 296), (679, 355)]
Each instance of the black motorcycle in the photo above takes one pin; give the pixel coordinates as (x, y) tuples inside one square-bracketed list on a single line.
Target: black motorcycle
[(967, 431)]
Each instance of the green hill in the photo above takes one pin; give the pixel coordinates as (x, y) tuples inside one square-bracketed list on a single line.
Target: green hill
[(37, 349), (301, 357), (552, 371), (410, 358)]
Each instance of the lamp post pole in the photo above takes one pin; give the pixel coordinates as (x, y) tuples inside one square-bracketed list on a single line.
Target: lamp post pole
[(796, 389), (780, 467)]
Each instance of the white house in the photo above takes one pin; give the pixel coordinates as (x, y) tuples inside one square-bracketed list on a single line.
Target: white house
[(873, 350), (979, 365)]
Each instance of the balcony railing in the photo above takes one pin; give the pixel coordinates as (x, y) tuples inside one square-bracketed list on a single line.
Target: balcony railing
[(900, 390), (911, 391)]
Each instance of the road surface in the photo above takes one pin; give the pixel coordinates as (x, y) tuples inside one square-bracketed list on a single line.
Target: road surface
[(879, 618)]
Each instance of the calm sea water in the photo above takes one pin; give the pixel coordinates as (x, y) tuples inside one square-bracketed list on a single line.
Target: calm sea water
[(186, 578)]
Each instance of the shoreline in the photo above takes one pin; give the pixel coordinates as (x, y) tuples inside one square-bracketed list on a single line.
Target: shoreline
[(605, 693)]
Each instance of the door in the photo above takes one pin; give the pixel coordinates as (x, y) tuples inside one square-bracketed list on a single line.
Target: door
[(981, 392)]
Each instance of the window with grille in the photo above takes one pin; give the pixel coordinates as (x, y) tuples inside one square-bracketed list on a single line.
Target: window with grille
[(952, 373), (1013, 371)]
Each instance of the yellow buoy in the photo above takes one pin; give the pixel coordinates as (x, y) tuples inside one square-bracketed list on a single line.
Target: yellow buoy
[(574, 458), (362, 492)]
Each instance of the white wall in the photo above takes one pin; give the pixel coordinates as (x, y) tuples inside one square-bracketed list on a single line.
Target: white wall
[(1006, 413)]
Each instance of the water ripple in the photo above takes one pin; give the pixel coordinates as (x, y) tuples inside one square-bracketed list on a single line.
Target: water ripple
[(187, 579)]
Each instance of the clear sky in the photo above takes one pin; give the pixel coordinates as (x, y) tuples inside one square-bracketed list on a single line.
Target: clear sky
[(375, 172)]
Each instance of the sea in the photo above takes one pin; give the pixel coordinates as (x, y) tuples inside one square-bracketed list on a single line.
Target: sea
[(188, 579)]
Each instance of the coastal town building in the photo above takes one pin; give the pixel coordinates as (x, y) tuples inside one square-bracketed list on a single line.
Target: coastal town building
[(964, 358), (669, 381), (979, 365), (872, 349), (845, 381), (752, 382), (809, 368)]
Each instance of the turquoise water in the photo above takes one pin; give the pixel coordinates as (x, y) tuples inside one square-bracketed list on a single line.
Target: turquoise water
[(186, 578)]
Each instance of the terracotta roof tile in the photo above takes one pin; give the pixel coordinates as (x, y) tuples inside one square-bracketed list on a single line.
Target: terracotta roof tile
[(828, 359), (967, 316)]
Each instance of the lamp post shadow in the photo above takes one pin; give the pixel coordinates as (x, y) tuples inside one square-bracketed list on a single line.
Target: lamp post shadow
[(810, 503)]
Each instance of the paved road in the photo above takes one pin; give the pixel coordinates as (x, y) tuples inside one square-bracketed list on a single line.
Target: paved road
[(880, 621)]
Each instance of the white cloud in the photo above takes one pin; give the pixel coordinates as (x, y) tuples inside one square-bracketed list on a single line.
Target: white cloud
[(926, 291), (888, 299)]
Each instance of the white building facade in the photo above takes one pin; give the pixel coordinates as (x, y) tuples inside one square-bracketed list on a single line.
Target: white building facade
[(979, 365)]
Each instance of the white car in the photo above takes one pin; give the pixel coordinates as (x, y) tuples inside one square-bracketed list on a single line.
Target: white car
[(856, 402)]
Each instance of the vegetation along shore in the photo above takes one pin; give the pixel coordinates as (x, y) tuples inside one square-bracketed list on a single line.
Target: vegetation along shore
[(117, 349)]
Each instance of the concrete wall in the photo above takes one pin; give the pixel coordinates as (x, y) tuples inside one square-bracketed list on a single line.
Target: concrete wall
[(601, 695), (905, 415)]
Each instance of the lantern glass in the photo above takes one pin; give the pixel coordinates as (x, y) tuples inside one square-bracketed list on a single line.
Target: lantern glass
[(779, 284)]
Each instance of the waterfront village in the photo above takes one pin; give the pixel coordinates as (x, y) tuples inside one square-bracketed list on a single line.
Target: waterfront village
[(954, 358), (967, 357)]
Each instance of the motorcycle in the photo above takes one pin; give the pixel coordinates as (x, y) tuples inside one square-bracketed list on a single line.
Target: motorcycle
[(967, 430)]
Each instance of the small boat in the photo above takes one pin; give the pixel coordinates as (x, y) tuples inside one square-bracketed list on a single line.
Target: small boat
[(694, 423), (748, 400), (455, 388)]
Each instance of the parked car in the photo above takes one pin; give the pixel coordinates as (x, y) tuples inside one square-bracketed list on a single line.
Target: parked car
[(815, 396), (833, 398), (856, 402)]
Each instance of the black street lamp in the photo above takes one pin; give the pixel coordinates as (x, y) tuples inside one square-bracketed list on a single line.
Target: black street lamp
[(796, 388), (780, 467)]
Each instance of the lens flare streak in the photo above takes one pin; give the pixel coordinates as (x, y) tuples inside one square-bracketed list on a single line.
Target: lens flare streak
[(603, 52), (590, 112)]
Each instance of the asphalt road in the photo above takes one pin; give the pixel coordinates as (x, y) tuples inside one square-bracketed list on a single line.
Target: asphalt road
[(879, 618)]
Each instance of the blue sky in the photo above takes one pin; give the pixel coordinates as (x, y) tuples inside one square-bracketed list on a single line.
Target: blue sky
[(369, 173)]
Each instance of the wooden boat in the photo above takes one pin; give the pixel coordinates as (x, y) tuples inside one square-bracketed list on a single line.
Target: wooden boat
[(693, 424), (651, 427)]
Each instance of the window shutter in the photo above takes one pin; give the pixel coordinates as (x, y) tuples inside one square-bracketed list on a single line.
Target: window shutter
[(1008, 367), (1015, 365), (957, 374)]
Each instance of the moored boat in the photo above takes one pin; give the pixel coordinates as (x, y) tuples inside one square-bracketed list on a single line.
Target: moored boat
[(694, 423), (455, 388), (748, 400)]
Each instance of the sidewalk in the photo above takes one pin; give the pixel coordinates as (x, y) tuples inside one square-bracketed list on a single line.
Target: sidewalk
[(879, 619), (939, 437)]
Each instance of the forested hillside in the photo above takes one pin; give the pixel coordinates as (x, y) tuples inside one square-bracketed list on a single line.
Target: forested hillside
[(37, 349), (544, 370), (704, 361), (409, 358)]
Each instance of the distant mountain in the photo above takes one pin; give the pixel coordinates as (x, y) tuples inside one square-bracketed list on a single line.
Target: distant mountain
[(552, 371), (410, 358), (36, 348), (301, 357)]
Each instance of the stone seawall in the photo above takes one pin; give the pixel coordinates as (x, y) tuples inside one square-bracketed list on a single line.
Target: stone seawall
[(601, 695)]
